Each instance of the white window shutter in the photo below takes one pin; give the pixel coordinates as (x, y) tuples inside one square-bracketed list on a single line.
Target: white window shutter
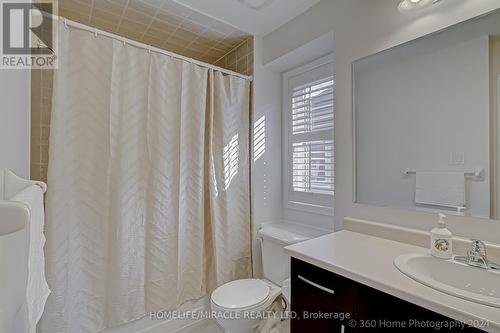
[(312, 119), (309, 119), (313, 167), (312, 107)]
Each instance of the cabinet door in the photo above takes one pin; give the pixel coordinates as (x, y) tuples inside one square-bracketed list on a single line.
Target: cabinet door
[(379, 312), (321, 301)]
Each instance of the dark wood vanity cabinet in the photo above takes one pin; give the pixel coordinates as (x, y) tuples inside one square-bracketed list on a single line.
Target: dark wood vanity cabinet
[(326, 302)]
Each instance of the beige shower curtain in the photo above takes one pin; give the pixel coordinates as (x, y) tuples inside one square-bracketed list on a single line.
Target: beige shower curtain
[(148, 200)]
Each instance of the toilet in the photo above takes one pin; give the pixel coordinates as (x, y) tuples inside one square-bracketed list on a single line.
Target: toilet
[(236, 303)]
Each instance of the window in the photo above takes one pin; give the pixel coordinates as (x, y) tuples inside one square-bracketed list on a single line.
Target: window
[(308, 137)]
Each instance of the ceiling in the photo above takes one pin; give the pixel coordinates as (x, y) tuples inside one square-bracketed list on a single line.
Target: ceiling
[(256, 17), (161, 23)]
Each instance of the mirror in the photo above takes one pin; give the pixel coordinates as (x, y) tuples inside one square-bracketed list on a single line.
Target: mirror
[(427, 123)]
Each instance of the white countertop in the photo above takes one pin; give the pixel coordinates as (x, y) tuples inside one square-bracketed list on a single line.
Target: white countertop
[(369, 260)]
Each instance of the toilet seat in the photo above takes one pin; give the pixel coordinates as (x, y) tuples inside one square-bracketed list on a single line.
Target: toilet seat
[(248, 306), (241, 294)]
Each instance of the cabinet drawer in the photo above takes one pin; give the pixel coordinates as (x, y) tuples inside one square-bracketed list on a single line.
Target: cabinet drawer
[(334, 291)]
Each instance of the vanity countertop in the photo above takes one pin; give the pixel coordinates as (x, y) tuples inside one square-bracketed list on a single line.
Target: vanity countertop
[(369, 260)]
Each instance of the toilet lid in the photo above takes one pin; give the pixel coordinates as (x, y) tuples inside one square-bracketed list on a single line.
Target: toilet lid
[(241, 294)]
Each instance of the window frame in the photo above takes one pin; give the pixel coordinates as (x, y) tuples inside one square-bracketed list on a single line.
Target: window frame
[(308, 202)]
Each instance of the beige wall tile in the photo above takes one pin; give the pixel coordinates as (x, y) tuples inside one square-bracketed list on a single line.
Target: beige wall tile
[(132, 30), (161, 23), (135, 27), (116, 8), (185, 34), (169, 18), (75, 16), (104, 25), (176, 40), (231, 57), (35, 155), (242, 50), (143, 8), (154, 41), (239, 59), (44, 134), (35, 171), (175, 48), (100, 15), (74, 7), (162, 28), (44, 154), (241, 66), (41, 100), (43, 172), (138, 17)]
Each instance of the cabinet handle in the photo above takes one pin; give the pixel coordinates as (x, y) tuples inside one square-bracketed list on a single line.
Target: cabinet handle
[(328, 290)]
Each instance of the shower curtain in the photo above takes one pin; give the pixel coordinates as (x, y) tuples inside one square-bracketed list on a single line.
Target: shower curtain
[(148, 200)]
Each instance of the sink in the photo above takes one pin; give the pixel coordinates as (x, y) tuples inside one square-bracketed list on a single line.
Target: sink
[(13, 217), (452, 277)]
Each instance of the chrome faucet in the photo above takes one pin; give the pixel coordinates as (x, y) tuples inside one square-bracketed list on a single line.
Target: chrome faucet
[(477, 256)]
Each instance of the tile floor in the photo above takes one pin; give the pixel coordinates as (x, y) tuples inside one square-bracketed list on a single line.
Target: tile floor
[(209, 326), (206, 326)]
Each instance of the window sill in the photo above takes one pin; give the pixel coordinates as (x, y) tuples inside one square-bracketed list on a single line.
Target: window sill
[(309, 208)]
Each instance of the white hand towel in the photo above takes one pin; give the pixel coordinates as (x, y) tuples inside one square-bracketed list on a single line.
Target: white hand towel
[(37, 290), (445, 189)]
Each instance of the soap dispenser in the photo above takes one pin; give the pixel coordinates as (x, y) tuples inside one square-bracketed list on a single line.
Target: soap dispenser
[(441, 240)]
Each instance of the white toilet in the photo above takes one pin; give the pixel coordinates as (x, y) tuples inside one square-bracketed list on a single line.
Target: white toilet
[(238, 303)]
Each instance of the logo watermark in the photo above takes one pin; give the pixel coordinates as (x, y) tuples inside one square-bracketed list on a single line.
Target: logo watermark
[(246, 315), (29, 34)]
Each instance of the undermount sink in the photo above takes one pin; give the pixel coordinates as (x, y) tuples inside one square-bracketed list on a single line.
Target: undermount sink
[(12, 216), (452, 277)]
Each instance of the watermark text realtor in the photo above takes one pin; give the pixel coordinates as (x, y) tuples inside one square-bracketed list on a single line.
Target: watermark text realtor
[(28, 34)]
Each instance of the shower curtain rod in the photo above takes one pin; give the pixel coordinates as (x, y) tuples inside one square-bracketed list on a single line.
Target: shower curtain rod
[(150, 48)]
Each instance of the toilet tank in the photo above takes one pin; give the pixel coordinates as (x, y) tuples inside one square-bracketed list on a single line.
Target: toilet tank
[(274, 238)]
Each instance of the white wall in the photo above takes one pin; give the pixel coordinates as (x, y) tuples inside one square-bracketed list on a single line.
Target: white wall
[(15, 121), (495, 119), (414, 109), (363, 27), (266, 170)]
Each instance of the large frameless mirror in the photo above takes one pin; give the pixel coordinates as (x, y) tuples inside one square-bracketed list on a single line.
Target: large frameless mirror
[(427, 122)]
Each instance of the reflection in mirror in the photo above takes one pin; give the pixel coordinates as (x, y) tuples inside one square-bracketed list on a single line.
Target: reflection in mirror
[(427, 124)]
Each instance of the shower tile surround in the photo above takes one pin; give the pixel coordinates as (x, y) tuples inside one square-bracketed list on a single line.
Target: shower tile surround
[(41, 104), (240, 59), (160, 23)]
